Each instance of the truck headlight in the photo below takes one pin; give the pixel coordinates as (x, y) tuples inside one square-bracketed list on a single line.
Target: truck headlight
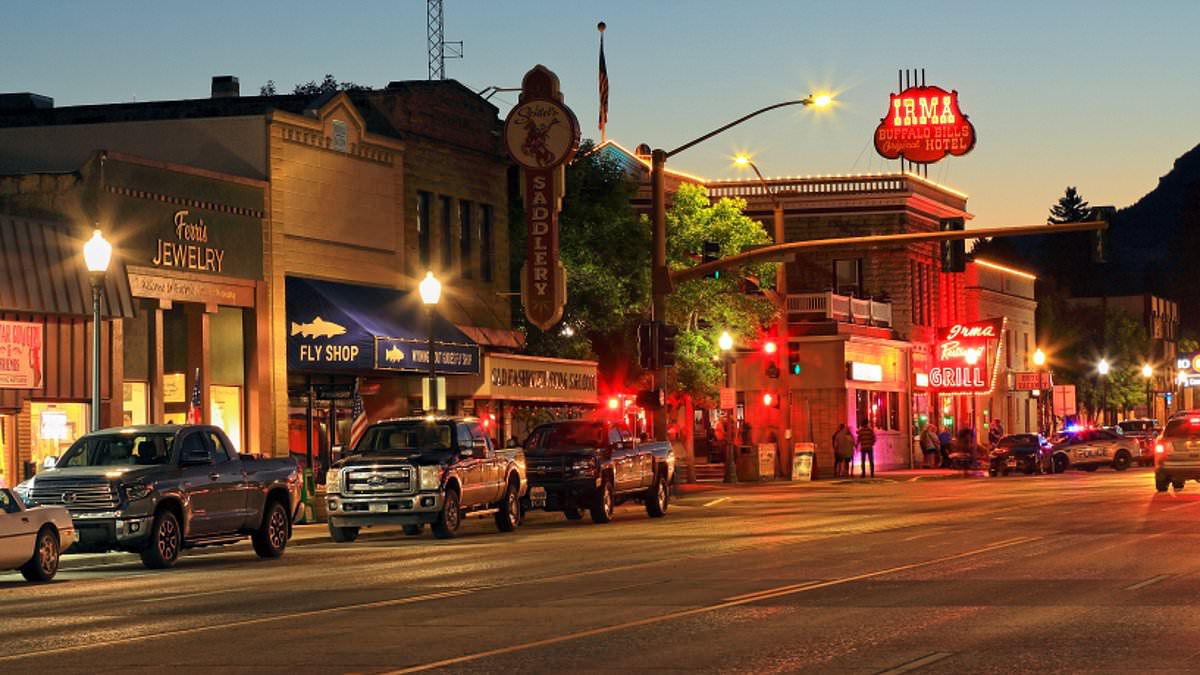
[(429, 477), (333, 482), (136, 491), (583, 466)]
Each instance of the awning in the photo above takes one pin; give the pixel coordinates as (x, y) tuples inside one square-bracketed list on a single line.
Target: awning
[(42, 272), (346, 327)]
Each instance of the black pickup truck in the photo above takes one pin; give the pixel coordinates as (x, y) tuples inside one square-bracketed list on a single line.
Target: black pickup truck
[(156, 490), (596, 464)]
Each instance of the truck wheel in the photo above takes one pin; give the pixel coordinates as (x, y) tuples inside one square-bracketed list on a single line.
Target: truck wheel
[(165, 542), (1161, 482), (413, 530), (447, 522), (602, 503), (658, 497), (573, 514), (509, 515), (44, 563), (342, 535), (271, 537), (1122, 460)]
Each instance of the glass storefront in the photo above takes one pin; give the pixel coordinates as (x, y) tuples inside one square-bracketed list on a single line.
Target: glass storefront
[(135, 404), (225, 411), (8, 470), (54, 427)]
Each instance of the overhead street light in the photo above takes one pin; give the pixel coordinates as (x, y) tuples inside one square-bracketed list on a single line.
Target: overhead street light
[(660, 274), (1148, 373), (97, 253)]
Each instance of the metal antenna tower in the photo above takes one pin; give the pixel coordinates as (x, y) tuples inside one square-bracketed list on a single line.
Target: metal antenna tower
[(439, 49)]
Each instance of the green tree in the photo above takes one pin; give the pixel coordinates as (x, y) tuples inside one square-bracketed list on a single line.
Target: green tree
[(1070, 208), (327, 84), (702, 308)]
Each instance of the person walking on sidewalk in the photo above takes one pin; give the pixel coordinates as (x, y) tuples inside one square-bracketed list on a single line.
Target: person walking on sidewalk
[(843, 452), (866, 449), (930, 444)]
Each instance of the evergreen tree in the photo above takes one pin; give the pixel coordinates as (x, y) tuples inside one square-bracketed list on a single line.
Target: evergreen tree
[(1070, 208)]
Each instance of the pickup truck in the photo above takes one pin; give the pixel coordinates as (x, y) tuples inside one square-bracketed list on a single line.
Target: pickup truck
[(158, 489), (596, 464), (415, 471)]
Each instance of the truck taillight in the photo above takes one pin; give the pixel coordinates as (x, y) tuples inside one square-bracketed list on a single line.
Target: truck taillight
[(1158, 448)]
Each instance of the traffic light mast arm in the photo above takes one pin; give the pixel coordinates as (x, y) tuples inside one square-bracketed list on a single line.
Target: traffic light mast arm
[(776, 252)]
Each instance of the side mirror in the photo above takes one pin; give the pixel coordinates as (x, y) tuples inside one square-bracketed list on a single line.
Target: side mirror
[(50, 462)]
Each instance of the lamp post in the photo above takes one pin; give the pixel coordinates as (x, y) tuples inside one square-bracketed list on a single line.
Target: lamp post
[(97, 253), (972, 357), (660, 275), (1103, 369), (1039, 361), (1148, 373), (725, 343), (785, 416), (431, 290), (1180, 382)]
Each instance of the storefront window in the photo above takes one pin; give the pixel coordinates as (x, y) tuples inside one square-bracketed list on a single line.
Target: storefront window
[(54, 427), (225, 411), (862, 407), (8, 473), (879, 408), (135, 403), (894, 410)]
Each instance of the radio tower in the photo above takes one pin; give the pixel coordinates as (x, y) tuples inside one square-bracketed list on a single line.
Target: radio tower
[(439, 49)]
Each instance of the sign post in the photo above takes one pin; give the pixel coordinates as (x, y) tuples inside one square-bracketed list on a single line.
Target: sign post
[(541, 135)]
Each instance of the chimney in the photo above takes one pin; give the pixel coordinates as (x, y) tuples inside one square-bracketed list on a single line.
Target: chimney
[(225, 86)]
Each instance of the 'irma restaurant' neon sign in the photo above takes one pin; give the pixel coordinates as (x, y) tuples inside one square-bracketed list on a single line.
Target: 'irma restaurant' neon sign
[(923, 125)]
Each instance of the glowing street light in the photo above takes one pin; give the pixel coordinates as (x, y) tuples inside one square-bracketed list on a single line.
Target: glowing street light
[(431, 291), (97, 253), (1147, 373), (1039, 358), (725, 342), (1103, 367)]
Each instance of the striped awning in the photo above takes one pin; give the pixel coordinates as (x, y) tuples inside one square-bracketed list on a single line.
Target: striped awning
[(42, 272)]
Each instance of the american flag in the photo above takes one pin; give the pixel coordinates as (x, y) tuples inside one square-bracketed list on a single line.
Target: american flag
[(194, 415), (603, 87), (358, 418)]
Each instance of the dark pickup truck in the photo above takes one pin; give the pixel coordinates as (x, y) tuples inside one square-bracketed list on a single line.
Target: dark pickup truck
[(595, 465), (158, 489)]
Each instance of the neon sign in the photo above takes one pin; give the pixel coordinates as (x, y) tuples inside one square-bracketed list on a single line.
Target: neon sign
[(963, 364), (923, 125)]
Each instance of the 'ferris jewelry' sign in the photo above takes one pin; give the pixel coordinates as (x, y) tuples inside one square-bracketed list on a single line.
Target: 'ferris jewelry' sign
[(541, 134), (190, 250)]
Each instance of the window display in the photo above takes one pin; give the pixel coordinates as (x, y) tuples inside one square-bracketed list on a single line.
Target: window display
[(54, 427)]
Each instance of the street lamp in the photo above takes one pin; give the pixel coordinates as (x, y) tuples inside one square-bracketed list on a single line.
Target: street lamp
[(1147, 373), (1181, 379), (431, 290), (1039, 360), (743, 160), (1103, 369), (725, 342), (660, 274), (972, 357), (97, 253)]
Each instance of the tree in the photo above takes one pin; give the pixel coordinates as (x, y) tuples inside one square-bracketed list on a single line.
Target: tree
[(1070, 208), (267, 89), (702, 308), (327, 84)]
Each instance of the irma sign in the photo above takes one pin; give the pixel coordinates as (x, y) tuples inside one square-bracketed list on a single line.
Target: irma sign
[(961, 358), (923, 125), (541, 135)]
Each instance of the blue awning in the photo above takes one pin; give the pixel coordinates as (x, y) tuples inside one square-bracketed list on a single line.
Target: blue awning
[(346, 327)]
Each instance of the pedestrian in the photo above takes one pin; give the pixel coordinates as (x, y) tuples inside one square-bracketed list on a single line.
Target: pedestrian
[(866, 449), (930, 444), (995, 433), (944, 440), (843, 451)]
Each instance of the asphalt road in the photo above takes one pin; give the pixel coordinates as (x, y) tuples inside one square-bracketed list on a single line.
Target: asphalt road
[(1076, 572)]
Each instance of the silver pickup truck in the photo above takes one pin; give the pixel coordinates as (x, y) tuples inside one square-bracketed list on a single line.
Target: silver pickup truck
[(417, 470), (158, 489)]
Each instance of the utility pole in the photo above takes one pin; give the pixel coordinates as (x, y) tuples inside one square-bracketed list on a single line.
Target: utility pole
[(437, 45)]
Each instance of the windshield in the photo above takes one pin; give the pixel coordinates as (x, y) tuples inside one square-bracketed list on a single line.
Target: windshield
[(410, 436), (1187, 427), (1020, 439), (567, 435), (119, 450), (1136, 425)]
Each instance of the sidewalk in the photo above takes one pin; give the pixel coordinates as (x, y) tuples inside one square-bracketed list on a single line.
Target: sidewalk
[(892, 476)]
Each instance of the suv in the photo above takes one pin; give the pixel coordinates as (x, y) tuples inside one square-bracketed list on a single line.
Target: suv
[(415, 471), (1090, 449), (1144, 431), (1177, 453)]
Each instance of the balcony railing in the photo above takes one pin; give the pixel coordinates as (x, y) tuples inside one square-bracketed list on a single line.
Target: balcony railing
[(831, 306)]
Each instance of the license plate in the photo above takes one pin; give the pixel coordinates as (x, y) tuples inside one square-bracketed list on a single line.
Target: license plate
[(377, 508), (537, 495)]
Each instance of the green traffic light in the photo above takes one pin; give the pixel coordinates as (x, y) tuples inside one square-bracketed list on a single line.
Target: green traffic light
[(795, 368)]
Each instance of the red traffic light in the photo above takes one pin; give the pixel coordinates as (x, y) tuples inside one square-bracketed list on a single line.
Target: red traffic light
[(769, 399), (769, 347), (614, 403)]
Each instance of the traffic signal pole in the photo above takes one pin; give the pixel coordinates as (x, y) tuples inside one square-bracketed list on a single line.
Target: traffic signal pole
[(660, 275)]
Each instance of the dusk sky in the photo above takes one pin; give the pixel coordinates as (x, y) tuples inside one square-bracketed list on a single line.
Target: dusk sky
[(1099, 95)]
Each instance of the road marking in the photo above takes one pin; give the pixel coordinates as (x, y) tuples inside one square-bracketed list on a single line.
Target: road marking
[(191, 595), (1149, 582), (716, 501), (767, 594), (1180, 506), (918, 663)]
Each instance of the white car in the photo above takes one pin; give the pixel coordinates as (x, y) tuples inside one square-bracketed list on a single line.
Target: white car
[(32, 537)]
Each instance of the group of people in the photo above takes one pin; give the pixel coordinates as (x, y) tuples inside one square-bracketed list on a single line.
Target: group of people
[(936, 446), (844, 444)]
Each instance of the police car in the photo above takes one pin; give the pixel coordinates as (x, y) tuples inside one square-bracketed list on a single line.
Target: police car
[(1089, 449)]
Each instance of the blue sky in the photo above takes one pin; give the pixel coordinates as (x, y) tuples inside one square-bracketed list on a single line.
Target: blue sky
[(1096, 94)]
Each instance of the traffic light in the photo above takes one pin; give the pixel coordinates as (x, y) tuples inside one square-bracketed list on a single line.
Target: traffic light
[(651, 399), (646, 345), (710, 252), (793, 360), (954, 253), (770, 399), (770, 350), (1099, 243), (665, 337)]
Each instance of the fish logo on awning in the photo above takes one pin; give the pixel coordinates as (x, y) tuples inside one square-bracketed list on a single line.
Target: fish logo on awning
[(318, 327), (393, 354)]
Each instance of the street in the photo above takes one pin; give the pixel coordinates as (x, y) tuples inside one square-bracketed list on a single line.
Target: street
[(1052, 573)]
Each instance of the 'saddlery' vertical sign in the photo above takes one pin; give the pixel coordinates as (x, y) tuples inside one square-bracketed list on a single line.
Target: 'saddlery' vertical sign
[(541, 135)]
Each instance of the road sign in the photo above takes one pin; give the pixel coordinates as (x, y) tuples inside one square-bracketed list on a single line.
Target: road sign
[(1030, 381), (728, 398), (1064, 400)]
